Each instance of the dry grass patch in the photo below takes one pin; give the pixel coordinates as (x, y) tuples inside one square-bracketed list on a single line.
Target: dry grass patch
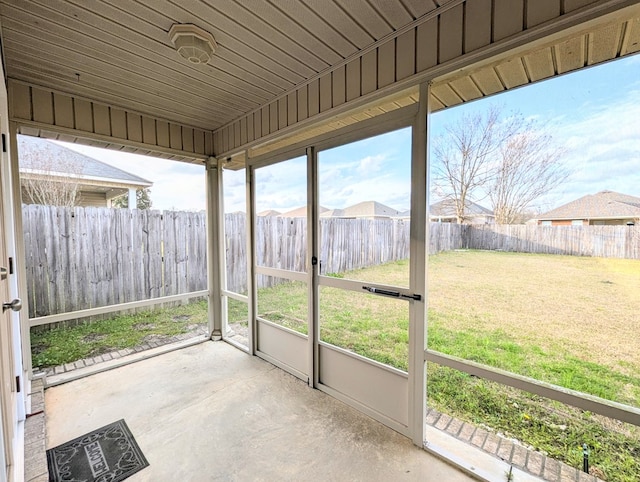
[(589, 306)]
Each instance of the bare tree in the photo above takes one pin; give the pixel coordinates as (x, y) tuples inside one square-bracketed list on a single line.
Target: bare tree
[(53, 182), (528, 168), (464, 157)]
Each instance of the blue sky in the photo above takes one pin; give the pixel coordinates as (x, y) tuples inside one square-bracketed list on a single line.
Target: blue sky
[(594, 113)]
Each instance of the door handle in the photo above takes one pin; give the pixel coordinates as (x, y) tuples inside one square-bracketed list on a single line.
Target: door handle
[(395, 294), (379, 291), (14, 305)]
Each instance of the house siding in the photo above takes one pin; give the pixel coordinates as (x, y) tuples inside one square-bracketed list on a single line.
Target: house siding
[(42, 109), (592, 222), (85, 199), (92, 199)]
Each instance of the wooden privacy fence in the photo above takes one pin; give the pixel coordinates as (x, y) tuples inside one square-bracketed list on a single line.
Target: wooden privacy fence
[(597, 241), (80, 258), (345, 244)]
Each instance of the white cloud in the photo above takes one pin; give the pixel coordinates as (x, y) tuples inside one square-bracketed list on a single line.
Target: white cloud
[(604, 148), (235, 198), (370, 164)]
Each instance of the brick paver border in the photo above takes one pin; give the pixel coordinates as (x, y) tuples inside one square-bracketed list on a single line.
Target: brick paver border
[(508, 450), (113, 355)]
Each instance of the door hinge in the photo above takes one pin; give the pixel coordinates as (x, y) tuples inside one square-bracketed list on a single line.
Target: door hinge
[(18, 384)]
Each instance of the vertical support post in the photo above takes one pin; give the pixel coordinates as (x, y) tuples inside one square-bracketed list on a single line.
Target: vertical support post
[(222, 252), (213, 250), (252, 289), (419, 235), (133, 201), (313, 265)]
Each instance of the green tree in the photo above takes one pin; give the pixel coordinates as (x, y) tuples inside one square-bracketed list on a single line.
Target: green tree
[(143, 199)]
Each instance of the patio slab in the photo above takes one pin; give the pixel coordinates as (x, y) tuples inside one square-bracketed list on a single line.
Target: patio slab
[(212, 412)]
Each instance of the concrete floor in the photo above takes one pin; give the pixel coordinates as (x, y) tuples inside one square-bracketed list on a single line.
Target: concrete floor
[(211, 412)]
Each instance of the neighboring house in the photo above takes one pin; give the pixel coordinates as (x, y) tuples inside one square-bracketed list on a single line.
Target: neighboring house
[(366, 209), (445, 212), (269, 212), (98, 183), (300, 212), (603, 208)]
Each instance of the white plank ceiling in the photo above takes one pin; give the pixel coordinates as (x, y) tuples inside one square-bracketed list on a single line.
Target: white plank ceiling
[(119, 51)]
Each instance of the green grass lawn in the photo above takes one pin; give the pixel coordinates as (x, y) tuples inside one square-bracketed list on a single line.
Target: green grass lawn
[(542, 316), (67, 344), (566, 320)]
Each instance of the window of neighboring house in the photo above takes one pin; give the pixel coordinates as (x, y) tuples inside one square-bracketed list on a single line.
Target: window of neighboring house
[(576, 222), (598, 223), (546, 223)]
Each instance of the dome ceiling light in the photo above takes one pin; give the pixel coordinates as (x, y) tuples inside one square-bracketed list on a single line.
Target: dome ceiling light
[(193, 43)]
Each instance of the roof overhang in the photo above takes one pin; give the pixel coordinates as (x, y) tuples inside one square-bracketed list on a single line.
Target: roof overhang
[(84, 180)]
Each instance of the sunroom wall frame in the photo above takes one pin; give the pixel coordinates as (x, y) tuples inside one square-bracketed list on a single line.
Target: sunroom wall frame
[(415, 117)]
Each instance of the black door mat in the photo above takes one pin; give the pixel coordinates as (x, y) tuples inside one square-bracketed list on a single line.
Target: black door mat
[(108, 454)]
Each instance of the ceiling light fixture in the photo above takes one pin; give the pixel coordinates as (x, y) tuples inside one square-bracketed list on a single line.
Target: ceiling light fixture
[(193, 43)]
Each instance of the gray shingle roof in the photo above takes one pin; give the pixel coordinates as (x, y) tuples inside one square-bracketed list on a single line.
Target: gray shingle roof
[(370, 209), (35, 153), (605, 204), (366, 209), (447, 208), (300, 212), (333, 213), (269, 212)]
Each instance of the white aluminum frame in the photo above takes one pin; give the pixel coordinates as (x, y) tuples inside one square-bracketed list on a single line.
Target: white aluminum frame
[(282, 355), (619, 411), (419, 258), (214, 259), (225, 294), (412, 423), (73, 315), (418, 117)]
